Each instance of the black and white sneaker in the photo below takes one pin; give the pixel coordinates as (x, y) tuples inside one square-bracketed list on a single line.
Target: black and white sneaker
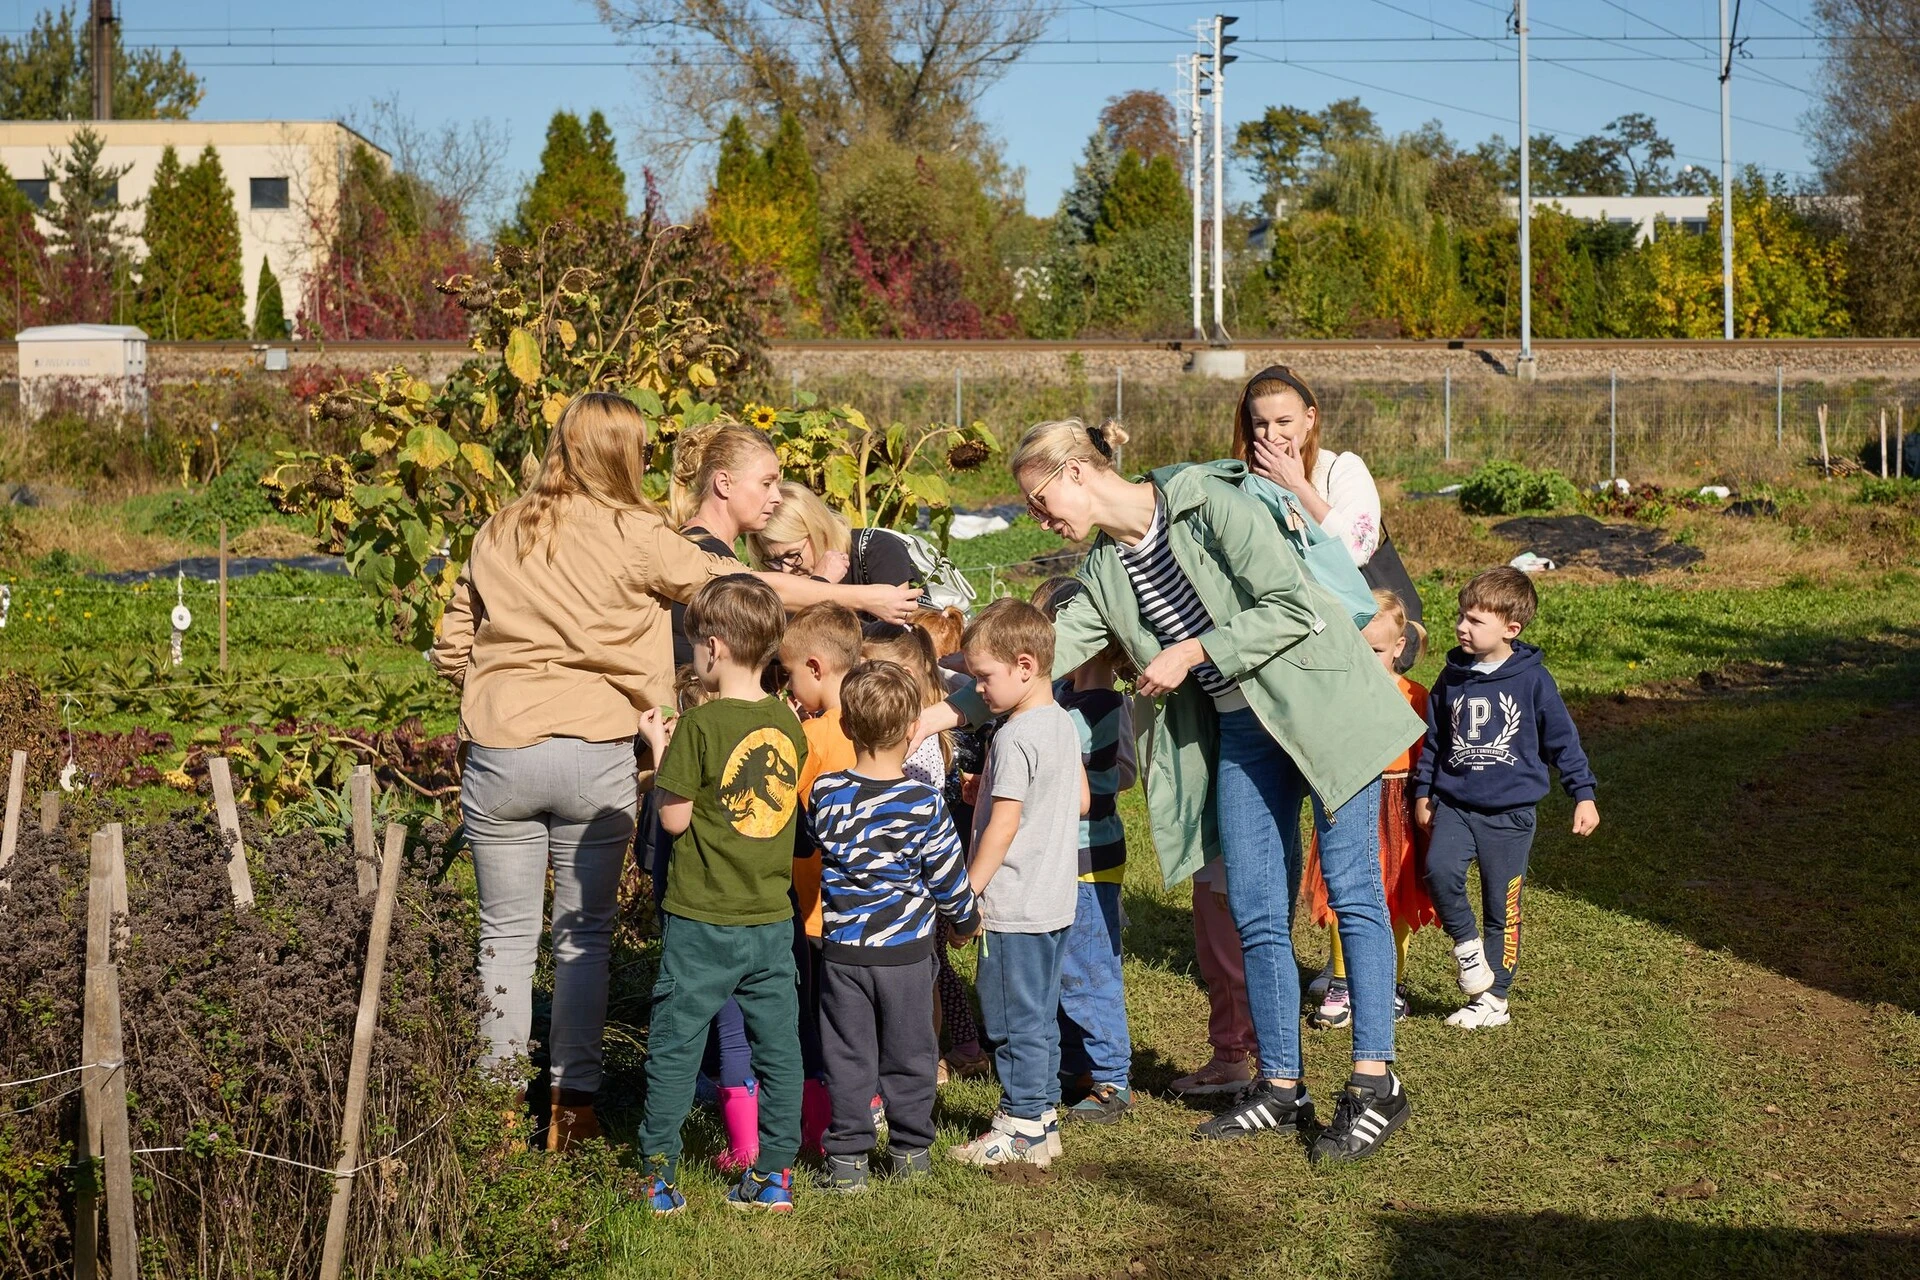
[(1369, 1110), (1261, 1107)]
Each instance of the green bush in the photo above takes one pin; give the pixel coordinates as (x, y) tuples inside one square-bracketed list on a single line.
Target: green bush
[(1507, 489), (1888, 492), (235, 495)]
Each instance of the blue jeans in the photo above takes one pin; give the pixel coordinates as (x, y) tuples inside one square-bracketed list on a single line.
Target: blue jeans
[(1019, 987), (1093, 1003), (1257, 796)]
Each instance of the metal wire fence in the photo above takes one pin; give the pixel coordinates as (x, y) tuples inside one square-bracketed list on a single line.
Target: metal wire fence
[(1645, 428)]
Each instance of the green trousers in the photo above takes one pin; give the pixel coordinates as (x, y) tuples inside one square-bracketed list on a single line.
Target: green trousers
[(700, 966)]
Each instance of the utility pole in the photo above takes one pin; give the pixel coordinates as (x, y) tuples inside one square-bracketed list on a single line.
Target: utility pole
[(1726, 170), (1524, 369), (1220, 60), (101, 23), (1196, 145)]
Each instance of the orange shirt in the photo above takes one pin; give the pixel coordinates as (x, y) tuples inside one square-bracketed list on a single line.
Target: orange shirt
[(1416, 696), (828, 749)]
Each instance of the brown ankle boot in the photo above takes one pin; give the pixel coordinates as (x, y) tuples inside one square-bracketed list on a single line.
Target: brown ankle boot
[(573, 1119)]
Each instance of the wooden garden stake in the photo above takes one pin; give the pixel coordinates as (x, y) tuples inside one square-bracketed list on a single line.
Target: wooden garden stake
[(1900, 441), (49, 811), (229, 813), (104, 1083), (106, 1104), (1883, 443), (333, 1257), (360, 787), (117, 877), (1826, 466), (223, 595), (16, 796)]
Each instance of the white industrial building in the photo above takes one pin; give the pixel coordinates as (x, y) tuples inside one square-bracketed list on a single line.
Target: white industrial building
[(284, 175), (1646, 213)]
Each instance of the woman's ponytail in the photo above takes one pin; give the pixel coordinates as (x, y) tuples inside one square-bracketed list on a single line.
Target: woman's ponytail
[(702, 452)]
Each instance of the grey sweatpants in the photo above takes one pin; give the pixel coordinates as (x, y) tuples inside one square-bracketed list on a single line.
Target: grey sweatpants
[(569, 804), (877, 1036)]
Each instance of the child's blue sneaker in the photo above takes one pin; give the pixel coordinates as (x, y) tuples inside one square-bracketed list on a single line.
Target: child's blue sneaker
[(772, 1192), (663, 1197)]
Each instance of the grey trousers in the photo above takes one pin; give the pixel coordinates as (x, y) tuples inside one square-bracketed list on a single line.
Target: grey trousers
[(569, 804), (876, 1033)]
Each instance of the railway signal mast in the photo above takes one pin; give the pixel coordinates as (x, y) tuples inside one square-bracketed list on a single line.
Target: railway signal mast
[(1205, 78)]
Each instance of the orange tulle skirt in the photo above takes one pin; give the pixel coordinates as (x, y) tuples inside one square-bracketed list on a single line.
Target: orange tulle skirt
[(1402, 864)]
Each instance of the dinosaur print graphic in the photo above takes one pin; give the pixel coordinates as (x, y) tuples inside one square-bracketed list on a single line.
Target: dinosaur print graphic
[(758, 787)]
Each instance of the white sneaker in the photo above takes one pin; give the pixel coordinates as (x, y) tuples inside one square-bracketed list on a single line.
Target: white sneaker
[(1483, 1011), (1476, 975), (1009, 1141), (1051, 1119)]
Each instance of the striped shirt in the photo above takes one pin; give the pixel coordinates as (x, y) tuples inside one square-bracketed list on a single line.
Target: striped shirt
[(890, 862), (1168, 601)]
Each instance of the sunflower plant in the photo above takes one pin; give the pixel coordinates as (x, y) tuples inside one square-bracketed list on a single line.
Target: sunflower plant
[(873, 475), (434, 462)]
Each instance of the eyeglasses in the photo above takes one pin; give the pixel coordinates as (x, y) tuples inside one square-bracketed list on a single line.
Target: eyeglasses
[(1039, 513), (789, 562)]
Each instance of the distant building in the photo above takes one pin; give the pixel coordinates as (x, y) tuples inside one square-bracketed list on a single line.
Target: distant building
[(284, 175), (1644, 213)]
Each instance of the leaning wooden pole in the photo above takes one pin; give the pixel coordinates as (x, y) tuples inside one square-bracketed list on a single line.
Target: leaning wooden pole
[(107, 1132), (333, 1257), (16, 797), (239, 878), (360, 787)]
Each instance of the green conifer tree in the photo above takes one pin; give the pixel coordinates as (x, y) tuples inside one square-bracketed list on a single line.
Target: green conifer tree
[(766, 205), (190, 284), (269, 307), (579, 180), (1143, 194)]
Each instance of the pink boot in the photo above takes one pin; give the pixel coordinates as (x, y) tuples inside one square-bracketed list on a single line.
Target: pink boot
[(816, 1113), (740, 1113)]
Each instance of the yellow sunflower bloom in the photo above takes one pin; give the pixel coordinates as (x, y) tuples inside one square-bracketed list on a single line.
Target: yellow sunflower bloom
[(762, 416)]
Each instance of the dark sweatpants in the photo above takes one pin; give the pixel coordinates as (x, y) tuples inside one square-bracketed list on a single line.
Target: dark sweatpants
[(876, 1031), (1500, 842)]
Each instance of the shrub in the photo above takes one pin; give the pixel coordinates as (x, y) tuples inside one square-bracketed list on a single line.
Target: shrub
[(235, 495), (1507, 489)]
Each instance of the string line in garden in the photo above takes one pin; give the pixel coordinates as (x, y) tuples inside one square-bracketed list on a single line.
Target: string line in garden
[(55, 1075), (301, 1164)]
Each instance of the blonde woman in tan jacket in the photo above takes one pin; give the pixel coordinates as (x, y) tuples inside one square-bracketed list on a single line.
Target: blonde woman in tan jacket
[(559, 637)]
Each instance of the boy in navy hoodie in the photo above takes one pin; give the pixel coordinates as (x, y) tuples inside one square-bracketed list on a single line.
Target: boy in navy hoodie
[(1494, 723)]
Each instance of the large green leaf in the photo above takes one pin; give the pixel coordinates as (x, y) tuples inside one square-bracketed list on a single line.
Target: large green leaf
[(647, 401), (430, 448), (931, 489), (842, 476), (523, 356)]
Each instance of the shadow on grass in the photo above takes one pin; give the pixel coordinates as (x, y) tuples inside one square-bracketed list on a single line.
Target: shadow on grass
[(1768, 820), (1425, 1245)]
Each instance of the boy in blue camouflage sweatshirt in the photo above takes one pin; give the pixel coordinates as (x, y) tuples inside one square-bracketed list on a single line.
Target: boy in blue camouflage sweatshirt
[(890, 862)]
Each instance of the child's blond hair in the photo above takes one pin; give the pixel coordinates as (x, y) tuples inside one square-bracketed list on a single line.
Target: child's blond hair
[(1390, 605), (826, 630), (744, 613), (879, 701), (1008, 628)]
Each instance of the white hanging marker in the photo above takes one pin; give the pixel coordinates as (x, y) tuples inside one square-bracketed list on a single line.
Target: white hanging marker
[(181, 617), (6, 603)]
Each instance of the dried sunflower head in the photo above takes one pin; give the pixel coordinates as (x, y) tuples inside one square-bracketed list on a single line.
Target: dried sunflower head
[(967, 455)]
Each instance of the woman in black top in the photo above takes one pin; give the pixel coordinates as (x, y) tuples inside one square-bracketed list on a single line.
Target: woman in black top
[(805, 537)]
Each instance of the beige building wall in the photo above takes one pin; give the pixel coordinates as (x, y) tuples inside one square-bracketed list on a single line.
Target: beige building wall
[(308, 154)]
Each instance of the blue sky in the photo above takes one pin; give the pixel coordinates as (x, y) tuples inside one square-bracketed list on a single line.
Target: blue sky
[(1409, 60)]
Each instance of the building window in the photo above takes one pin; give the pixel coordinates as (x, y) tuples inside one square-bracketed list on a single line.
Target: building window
[(110, 196), (36, 190), (268, 193), (1694, 226)]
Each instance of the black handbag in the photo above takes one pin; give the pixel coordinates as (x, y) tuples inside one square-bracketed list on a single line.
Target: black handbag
[(1387, 572)]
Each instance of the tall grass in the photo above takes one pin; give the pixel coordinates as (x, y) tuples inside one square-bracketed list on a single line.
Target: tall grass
[(1643, 430)]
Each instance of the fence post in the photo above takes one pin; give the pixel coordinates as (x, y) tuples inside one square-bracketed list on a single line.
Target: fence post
[(361, 787), (238, 876), (49, 811), (223, 595), (16, 796), (1446, 445), (334, 1252), (1779, 406), (1826, 467), (1883, 442), (1613, 427), (1900, 442)]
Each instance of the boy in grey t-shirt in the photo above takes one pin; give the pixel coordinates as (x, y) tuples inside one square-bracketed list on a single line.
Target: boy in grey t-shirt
[(1025, 865)]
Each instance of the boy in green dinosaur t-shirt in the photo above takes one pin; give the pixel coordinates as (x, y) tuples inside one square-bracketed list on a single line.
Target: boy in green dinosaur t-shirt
[(728, 791)]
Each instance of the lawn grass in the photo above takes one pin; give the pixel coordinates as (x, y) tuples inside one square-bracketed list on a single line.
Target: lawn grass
[(1709, 1071)]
